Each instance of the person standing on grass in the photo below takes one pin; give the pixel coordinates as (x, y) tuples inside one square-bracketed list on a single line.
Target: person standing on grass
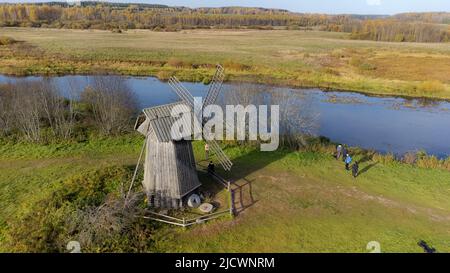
[(338, 151), (355, 169), (344, 153), (206, 151), (348, 160), (211, 167)]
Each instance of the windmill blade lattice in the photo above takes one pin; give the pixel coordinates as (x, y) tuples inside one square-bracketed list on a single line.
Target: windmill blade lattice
[(215, 86), (181, 91), (210, 98), (221, 156)]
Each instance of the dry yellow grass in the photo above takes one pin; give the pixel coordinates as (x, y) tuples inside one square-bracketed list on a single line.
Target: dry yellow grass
[(410, 67), (297, 58)]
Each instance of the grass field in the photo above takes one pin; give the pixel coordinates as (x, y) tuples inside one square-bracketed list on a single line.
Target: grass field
[(287, 201), (297, 58)]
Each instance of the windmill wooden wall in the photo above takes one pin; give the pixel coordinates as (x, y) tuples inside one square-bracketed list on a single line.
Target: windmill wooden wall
[(169, 170)]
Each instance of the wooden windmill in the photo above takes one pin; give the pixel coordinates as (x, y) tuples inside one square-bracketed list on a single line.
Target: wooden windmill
[(170, 173)]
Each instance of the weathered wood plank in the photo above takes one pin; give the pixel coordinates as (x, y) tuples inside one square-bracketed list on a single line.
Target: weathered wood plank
[(169, 172)]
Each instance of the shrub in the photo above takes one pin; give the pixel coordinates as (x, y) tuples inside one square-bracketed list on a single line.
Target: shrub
[(446, 164), (410, 158), (164, 75), (112, 104), (87, 208), (429, 162), (206, 80), (422, 160), (7, 40), (385, 159), (431, 87)]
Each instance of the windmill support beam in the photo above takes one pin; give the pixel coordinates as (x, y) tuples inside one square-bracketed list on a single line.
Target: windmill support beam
[(135, 171)]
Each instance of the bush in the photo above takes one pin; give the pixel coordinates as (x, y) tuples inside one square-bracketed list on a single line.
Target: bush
[(431, 87), (112, 104), (385, 159), (87, 208), (422, 160), (429, 162), (7, 40), (164, 75), (410, 158)]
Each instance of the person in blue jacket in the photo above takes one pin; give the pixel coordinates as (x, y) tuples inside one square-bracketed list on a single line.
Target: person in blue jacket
[(348, 160)]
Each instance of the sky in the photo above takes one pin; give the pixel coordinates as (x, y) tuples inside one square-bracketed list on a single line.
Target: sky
[(309, 6)]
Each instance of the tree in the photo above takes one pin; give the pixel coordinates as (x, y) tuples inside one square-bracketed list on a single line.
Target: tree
[(57, 110), (6, 110), (27, 110), (111, 102)]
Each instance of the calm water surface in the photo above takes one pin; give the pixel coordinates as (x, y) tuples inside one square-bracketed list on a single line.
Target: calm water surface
[(386, 124)]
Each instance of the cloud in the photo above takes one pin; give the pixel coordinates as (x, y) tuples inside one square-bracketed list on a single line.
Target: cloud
[(373, 2)]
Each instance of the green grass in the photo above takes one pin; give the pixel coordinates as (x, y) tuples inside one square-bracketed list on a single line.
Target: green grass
[(91, 147), (296, 58), (308, 203), (302, 201), (28, 172)]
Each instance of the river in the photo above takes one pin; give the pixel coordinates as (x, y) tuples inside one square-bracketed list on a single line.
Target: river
[(385, 124)]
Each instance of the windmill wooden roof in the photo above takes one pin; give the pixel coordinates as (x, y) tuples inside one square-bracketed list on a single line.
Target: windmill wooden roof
[(161, 121)]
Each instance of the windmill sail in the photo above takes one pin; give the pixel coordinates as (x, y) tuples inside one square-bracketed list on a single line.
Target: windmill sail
[(181, 91), (221, 156), (215, 86), (211, 96)]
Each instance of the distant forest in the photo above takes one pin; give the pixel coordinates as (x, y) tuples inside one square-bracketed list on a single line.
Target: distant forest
[(407, 27)]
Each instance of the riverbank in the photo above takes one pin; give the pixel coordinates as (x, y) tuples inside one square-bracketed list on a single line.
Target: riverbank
[(293, 201), (291, 58)]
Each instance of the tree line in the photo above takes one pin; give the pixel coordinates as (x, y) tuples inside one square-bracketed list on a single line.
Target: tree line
[(40, 111), (426, 17), (399, 31), (407, 27), (110, 16)]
